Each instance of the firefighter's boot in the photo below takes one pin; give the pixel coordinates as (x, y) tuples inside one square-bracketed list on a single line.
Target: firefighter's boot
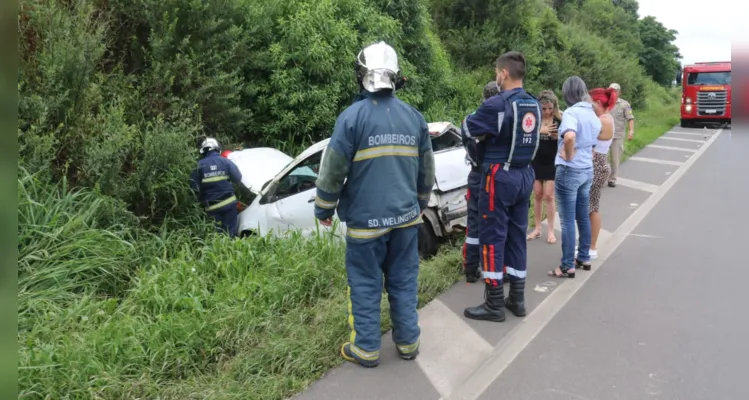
[(493, 307), (515, 302)]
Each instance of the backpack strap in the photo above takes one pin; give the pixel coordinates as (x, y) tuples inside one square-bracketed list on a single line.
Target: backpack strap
[(528, 118)]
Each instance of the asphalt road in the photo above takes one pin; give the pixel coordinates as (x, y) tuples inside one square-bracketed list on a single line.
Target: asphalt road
[(664, 318), (661, 316)]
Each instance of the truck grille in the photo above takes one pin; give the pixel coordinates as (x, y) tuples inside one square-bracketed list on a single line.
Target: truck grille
[(711, 103)]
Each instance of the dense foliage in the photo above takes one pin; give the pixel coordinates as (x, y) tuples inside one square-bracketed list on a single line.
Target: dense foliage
[(124, 292), (114, 95)]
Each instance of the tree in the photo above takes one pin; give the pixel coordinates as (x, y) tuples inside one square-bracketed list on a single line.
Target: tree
[(630, 6), (659, 56)]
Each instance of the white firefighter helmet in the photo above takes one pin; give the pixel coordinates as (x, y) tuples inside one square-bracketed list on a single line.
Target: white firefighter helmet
[(377, 67), (209, 144)]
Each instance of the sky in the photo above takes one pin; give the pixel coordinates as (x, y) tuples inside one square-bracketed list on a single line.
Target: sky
[(705, 26)]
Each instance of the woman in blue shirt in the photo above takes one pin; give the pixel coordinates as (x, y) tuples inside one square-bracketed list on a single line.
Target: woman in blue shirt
[(574, 175)]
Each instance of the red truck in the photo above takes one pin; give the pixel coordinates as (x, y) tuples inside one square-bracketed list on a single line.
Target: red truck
[(706, 93)]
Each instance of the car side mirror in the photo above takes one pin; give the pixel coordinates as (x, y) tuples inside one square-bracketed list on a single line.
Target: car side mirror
[(678, 78)]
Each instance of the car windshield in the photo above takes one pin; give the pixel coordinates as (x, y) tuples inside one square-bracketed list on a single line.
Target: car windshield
[(709, 78), (447, 140)]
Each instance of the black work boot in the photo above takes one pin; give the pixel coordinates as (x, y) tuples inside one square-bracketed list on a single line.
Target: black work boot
[(473, 275), (493, 307), (515, 302)]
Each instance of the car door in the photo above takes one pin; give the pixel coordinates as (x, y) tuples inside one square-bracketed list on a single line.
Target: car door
[(294, 198)]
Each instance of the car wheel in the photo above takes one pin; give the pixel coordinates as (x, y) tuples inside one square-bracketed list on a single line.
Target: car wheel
[(686, 123), (246, 233), (428, 242)]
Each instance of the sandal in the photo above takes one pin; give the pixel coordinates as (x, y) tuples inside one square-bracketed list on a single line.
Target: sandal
[(583, 265), (533, 236), (551, 239), (569, 273)]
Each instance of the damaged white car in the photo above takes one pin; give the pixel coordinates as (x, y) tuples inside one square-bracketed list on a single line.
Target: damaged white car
[(284, 190)]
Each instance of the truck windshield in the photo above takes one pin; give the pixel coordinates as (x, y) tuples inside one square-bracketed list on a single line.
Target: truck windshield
[(709, 78)]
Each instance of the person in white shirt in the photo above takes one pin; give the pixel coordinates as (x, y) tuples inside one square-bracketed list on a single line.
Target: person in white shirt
[(603, 101)]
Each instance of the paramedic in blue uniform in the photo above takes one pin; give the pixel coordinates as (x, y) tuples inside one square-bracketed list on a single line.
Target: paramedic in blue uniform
[(212, 184), (471, 259), (508, 127), (381, 147)]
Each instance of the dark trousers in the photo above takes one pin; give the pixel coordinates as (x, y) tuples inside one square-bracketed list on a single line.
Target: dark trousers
[(503, 204), (395, 256), (226, 217), (471, 259)]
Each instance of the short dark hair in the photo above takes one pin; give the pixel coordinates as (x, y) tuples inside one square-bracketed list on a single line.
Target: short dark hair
[(491, 89), (514, 63)]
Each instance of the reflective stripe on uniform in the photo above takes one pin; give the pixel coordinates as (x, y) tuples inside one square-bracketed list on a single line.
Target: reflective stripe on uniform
[(516, 273), (381, 151), (408, 348), (352, 338), (491, 275), (221, 204), (373, 233), (215, 179), (472, 240), (324, 203), (364, 355), (514, 136), (538, 141), (465, 128)]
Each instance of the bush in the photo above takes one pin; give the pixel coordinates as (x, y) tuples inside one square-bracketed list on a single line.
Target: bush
[(107, 310), (124, 289)]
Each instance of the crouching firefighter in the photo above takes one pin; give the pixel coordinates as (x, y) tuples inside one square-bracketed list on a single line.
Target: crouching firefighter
[(212, 184), (508, 126), (474, 152), (381, 148)]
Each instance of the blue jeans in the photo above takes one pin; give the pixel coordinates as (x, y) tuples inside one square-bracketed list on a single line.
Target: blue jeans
[(572, 187)]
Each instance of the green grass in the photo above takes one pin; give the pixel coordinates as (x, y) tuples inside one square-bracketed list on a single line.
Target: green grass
[(109, 311), (661, 115)]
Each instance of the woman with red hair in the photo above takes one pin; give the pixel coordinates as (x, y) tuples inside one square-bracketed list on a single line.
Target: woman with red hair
[(603, 101)]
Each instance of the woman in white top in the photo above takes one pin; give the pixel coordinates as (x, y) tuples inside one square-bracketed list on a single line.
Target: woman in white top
[(603, 101)]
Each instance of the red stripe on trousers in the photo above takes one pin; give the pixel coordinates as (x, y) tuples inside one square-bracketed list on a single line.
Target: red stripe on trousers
[(494, 266), (485, 267), (491, 190)]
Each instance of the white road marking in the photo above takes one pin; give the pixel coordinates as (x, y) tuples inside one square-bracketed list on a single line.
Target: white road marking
[(656, 161), (681, 140), (449, 348), (657, 146), (522, 335), (702, 134), (645, 187), (645, 236)]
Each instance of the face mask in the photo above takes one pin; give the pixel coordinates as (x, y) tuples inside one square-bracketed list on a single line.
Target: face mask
[(501, 81)]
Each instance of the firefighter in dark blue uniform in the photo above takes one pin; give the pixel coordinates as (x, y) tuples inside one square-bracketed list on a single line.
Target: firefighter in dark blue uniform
[(212, 184), (377, 173), (508, 127), (471, 252)]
